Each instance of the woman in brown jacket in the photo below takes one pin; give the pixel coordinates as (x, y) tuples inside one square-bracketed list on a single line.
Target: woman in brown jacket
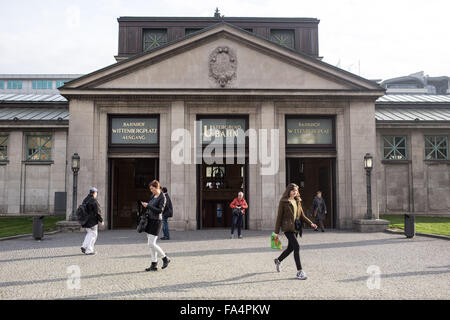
[(289, 210)]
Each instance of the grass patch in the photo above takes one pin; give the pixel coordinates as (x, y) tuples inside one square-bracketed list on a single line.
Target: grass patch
[(431, 225), (13, 226)]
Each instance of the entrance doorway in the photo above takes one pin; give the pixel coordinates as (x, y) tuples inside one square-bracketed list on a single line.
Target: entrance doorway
[(312, 175), (219, 184), (129, 181)]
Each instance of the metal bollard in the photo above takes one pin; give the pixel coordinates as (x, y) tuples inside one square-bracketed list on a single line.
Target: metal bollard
[(38, 228), (410, 227)]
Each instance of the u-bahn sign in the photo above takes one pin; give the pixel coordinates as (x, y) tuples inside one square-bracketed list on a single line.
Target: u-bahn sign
[(126, 131), (222, 130)]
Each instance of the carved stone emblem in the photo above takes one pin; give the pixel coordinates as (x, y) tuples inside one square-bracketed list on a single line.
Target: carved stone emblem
[(222, 65)]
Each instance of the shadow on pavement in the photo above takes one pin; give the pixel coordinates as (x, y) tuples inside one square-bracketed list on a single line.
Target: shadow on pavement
[(185, 287), (242, 250), (398, 275), (95, 276), (336, 245)]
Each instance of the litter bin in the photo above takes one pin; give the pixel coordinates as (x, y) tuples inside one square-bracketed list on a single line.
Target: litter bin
[(38, 227), (410, 227)]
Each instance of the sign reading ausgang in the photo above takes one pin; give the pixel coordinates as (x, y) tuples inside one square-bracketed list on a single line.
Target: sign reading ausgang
[(134, 131), (309, 131)]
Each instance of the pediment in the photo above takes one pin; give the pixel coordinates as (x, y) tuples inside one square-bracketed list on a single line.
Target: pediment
[(223, 57)]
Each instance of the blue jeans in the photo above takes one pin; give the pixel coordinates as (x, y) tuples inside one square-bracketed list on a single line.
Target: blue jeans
[(165, 227), (237, 219)]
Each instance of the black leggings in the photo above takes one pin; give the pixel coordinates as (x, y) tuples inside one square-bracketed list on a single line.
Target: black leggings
[(292, 246)]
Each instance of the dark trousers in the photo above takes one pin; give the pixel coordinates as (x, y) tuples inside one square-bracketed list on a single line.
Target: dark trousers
[(292, 246), (165, 227), (237, 220), (320, 222)]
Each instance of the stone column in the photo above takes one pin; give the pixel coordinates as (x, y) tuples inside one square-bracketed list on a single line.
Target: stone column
[(82, 140), (13, 172), (362, 140), (58, 168), (419, 181), (343, 186), (254, 181), (268, 187), (178, 183)]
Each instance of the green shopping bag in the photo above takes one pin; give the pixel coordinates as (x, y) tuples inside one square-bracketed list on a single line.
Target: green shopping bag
[(275, 242)]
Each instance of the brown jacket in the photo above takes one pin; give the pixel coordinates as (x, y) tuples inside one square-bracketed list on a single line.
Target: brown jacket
[(285, 217)]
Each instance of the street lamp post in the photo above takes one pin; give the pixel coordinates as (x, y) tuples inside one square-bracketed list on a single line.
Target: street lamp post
[(368, 165), (75, 169)]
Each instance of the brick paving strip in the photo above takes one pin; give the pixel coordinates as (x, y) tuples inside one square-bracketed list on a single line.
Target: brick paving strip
[(400, 231), (207, 264), (27, 235)]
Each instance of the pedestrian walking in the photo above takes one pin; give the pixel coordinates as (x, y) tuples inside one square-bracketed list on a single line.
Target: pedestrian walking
[(319, 209), (94, 217), (290, 215), (168, 213), (155, 208), (238, 205)]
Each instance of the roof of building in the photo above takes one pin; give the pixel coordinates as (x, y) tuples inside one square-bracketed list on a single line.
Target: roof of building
[(30, 76), (35, 114), (310, 61), (222, 18), (413, 99), (412, 114), (31, 98)]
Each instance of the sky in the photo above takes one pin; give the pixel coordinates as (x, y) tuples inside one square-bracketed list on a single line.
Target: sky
[(374, 39)]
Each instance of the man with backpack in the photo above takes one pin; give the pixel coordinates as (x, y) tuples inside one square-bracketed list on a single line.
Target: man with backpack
[(168, 213), (89, 214)]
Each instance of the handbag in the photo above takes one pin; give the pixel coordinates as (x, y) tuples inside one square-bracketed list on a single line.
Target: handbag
[(143, 221), (275, 242)]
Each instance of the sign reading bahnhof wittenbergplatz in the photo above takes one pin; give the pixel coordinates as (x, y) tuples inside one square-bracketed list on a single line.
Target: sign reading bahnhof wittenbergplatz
[(309, 131), (134, 130)]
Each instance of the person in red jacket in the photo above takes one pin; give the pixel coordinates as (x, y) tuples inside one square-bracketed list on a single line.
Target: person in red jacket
[(238, 205)]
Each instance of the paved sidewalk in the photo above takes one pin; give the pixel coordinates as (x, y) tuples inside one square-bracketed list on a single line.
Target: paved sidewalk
[(208, 265)]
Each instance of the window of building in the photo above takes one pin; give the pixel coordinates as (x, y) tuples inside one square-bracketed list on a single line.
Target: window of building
[(436, 148), (14, 84), (394, 148), (215, 177), (154, 38), (2, 84), (3, 148), (283, 37), (39, 148), (59, 84), (42, 84), (191, 30)]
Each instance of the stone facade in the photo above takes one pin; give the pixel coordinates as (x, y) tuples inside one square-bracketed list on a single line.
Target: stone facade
[(28, 187), (414, 185), (270, 83)]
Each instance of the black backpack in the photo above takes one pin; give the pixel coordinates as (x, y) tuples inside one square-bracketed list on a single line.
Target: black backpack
[(82, 213), (168, 210)]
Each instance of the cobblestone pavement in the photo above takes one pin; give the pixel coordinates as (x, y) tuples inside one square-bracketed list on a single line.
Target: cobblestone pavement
[(208, 265)]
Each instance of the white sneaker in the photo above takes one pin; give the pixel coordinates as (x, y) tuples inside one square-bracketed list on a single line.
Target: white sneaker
[(277, 264), (301, 275), (232, 236)]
